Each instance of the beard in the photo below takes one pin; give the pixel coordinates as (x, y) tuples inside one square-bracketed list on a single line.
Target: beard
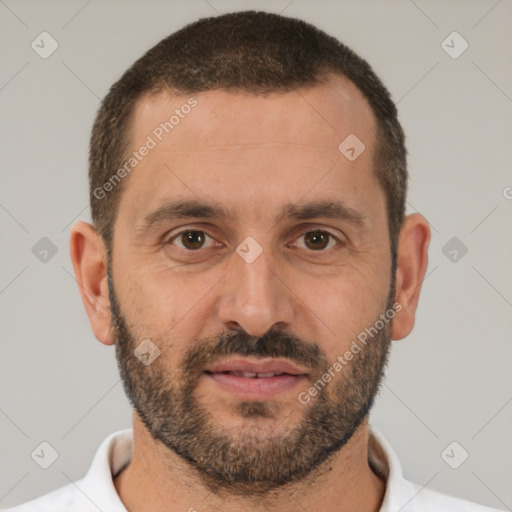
[(249, 461)]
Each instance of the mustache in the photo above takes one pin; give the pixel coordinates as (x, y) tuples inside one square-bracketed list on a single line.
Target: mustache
[(273, 344)]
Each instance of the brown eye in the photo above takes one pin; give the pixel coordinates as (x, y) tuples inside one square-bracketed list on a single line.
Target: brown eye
[(319, 240), (316, 240), (191, 240)]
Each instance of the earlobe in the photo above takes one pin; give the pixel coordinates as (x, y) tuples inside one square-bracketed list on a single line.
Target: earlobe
[(88, 256), (411, 270)]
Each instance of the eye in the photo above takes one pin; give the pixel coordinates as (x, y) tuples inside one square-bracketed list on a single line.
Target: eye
[(194, 240), (191, 240), (318, 240)]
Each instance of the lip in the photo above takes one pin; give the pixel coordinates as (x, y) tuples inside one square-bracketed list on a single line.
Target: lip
[(256, 388), (257, 366)]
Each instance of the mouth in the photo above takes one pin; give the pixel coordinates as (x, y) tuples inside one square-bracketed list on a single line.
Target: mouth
[(256, 379)]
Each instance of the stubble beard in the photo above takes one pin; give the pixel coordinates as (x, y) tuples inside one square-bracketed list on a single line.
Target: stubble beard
[(268, 453)]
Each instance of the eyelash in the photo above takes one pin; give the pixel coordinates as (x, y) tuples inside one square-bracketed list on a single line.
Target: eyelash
[(339, 242)]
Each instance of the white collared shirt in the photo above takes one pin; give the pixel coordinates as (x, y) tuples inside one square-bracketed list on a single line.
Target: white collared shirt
[(96, 491)]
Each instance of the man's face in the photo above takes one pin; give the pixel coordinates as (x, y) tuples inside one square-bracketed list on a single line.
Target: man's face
[(219, 316)]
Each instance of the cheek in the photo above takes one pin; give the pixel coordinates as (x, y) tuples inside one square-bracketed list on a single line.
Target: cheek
[(167, 306), (344, 304)]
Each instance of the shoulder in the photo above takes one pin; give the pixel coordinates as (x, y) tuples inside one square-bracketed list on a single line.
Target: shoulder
[(68, 497), (405, 496), (423, 499), (96, 490)]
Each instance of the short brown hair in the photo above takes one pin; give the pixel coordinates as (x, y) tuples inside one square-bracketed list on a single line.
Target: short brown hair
[(256, 52)]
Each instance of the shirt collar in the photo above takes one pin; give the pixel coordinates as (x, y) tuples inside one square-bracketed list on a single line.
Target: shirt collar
[(115, 454)]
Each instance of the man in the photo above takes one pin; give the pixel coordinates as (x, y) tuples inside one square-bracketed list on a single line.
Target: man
[(251, 261)]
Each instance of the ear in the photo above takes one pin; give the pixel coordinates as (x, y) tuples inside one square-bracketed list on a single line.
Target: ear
[(411, 269), (89, 258)]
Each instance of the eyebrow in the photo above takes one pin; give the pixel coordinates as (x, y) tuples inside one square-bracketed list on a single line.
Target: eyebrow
[(192, 208)]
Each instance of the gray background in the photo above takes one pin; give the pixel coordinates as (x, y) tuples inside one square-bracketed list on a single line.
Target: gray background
[(448, 381)]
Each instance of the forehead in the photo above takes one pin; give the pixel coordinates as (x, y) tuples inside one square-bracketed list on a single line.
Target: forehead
[(240, 148), (230, 117)]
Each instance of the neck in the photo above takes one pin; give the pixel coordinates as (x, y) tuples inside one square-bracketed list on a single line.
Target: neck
[(159, 479)]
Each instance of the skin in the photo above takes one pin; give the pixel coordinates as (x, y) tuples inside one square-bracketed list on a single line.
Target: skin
[(253, 154)]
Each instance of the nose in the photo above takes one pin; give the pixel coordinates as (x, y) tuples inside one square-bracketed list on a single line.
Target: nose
[(254, 297)]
